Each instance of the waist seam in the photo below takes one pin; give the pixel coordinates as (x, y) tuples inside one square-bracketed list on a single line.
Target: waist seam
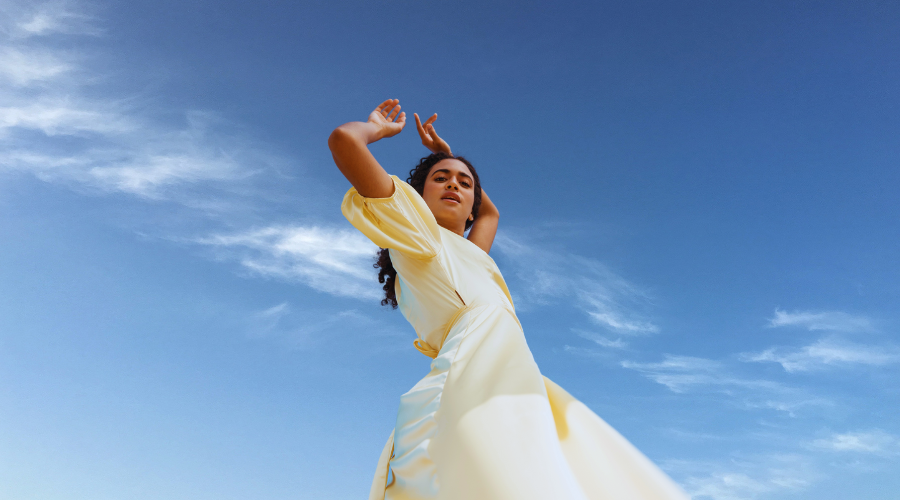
[(432, 352)]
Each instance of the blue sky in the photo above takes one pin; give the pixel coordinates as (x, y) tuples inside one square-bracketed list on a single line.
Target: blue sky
[(698, 227)]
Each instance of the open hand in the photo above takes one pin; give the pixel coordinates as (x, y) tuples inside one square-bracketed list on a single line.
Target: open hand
[(388, 118), (429, 136)]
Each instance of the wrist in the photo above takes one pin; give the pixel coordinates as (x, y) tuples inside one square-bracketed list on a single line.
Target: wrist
[(379, 133), (372, 132)]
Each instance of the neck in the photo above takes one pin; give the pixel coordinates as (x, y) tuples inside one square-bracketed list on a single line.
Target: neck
[(459, 229)]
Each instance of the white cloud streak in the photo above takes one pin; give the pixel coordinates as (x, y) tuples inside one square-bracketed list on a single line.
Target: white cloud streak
[(687, 374), (28, 19), (826, 353), (51, 128), (680, 373), (601, 340), (24, 67), (745, 478), (875, 441), (609, 300), (836, 321), (308, 329), (62, 117), (274, 313), (335, 261)]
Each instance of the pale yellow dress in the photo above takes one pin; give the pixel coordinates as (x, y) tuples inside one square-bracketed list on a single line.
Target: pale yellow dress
[(483, 423)]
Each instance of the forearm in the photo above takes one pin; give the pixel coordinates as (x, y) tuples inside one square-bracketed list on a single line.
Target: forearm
[(485, 226), (349, 148), (359, 132), (487, 206)]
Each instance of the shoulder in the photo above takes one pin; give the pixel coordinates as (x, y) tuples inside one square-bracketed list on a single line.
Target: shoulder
[(401, 221)]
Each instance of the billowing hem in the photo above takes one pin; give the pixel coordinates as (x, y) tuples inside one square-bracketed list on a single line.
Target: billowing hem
[(413, 470)]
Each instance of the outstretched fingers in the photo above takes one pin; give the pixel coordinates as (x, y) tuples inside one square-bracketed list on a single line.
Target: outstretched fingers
[(385, 106), (432, 132), (425, 139), (388, 118), (394, 113)]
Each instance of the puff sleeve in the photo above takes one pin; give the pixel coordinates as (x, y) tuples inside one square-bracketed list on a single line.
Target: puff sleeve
[(401, 222)]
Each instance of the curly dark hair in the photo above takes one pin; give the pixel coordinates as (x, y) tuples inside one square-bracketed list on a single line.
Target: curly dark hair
[(417, 177)]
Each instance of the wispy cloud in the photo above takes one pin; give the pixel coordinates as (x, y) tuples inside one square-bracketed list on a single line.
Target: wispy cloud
[(693, 436), (874, 441), (64, 116), (30, 19), (687, 374), (606, 298), (53, 127), (821, 320), (745, 478), (335, 261), (601, 340), (826, 353), (300, 329), (680, 373), (267, 320), (23, 67), (27, 60)]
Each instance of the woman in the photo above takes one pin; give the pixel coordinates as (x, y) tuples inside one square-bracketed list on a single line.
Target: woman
[(483, 424)]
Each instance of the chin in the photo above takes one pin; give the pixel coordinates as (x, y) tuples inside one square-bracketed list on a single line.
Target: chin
[(450, 215)]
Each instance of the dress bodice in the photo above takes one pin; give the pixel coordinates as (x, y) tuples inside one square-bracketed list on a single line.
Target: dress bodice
[(438, 271)]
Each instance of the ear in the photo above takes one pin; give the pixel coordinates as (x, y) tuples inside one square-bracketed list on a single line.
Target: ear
[(471, 217)]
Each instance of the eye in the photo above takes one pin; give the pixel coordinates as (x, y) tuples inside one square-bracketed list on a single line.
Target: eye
[(440, 178), (466, 184)]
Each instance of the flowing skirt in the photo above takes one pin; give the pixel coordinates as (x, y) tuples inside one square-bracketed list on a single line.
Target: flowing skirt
[(484, 424)]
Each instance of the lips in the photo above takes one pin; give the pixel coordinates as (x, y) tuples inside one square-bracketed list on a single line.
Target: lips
[(452, 197)]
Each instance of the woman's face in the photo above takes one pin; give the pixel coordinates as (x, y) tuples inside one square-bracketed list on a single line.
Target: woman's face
[(450, 194)]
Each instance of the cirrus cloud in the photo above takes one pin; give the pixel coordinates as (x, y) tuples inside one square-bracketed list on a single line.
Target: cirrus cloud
[(335, 261), (609, 300), (826, 353), (821, 320)]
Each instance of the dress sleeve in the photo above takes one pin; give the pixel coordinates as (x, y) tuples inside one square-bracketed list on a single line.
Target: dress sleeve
[(401, 222)]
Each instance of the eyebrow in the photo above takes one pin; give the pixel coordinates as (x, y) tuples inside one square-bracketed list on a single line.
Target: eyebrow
[(446, 171)]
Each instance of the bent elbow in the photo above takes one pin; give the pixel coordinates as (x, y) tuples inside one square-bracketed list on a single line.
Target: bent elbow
[(338, 136), (491, 212)]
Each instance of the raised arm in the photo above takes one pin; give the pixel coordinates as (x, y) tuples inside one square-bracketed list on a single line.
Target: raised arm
[(485, 226), (349, 148)]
